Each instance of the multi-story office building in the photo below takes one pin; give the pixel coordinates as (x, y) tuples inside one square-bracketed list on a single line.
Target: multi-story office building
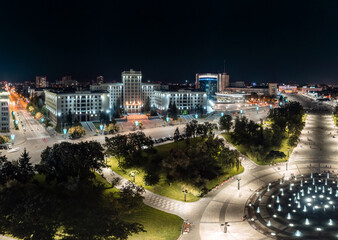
[(40, 82), (4, 111), (211, 82), (186, 100), (132, 95), (83, 105)]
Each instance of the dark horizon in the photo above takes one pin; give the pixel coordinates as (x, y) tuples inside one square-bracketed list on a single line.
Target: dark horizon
[(170, 41)]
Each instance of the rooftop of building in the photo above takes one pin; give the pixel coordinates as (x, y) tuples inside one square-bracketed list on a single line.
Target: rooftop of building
[(74, 91)]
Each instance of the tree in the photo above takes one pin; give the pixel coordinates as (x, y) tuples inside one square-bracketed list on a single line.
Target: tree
[(31, 109), (77, 131), (117, 146), (39, 116), (172, 111), (176, 135), (293, 140), (44, 111), (275, 154), (112, 128), (66, 161), (69, 118), (153, 112), (128, 149), (7, 170), (3, 139), (24, 169), (146, 106), (117, 109), (225, 122)]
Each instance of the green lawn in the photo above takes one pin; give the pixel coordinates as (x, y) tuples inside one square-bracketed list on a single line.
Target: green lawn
[(158, 225), (174, 190), (246, 151)]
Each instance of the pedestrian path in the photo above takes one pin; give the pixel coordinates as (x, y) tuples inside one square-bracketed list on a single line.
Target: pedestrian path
[(152, 199), (246, 162)]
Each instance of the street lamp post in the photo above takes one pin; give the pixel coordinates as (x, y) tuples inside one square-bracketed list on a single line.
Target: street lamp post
[(65, 132), (238, 183), (12, 138), (185, 194), (286, 166), (101, 128)]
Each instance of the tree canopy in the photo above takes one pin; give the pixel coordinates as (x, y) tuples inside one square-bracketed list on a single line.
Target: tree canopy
[(67, 161)]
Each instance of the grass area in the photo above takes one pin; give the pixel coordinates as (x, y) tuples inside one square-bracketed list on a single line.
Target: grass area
[(173, 190), (159, 225), (335, 120), (246, 151)]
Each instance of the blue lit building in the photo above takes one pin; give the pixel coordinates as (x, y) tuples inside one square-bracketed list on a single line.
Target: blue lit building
[(211, 83)]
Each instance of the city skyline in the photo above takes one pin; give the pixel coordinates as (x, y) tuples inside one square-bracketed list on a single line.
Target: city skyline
[(170, 42)]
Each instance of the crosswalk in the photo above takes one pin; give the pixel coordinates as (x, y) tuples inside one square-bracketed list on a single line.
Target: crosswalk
[(247, 163)]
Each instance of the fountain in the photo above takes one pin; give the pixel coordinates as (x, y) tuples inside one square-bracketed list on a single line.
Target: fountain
[(298, 233), (328, 175), (307, 221), (258, 210), (295, 203), (311, 175)]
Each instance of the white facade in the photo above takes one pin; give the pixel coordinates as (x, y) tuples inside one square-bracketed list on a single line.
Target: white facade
[(184, 100), (83, 105), (4, 112), (132, 96)]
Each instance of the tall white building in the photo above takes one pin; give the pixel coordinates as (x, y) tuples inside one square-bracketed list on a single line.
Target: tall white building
[(4, 111), (132, 96)]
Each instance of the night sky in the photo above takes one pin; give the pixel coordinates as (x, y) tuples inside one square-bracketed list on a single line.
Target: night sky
[(261, 41)]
